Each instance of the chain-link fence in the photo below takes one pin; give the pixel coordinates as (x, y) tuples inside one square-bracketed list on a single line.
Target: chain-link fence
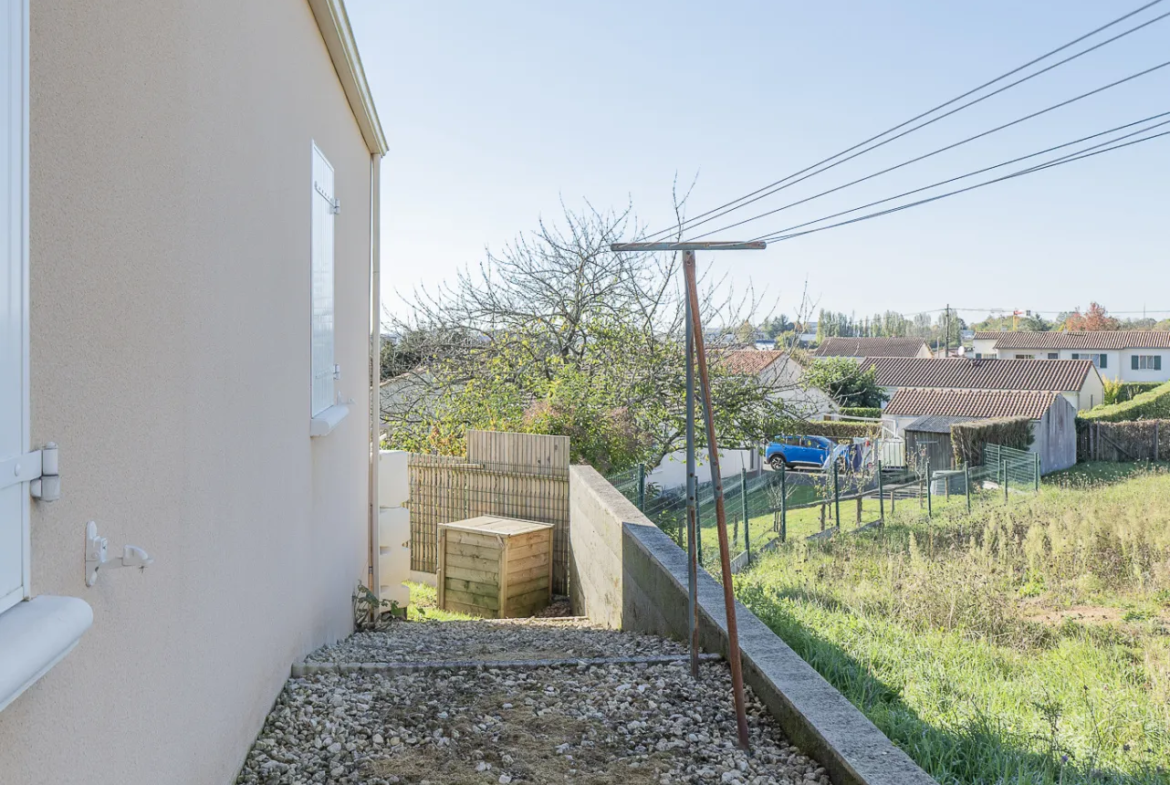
[(787, 504)]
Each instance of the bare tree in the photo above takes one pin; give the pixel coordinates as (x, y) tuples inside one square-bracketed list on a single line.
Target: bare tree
[(557, 318)]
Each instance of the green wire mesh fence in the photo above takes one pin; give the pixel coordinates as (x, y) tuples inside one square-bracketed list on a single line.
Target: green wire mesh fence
[(783, 505)]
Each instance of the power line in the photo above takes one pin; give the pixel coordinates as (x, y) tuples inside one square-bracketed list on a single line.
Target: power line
[(1022, 172), (692, 222), (935, 152), (986, 169)]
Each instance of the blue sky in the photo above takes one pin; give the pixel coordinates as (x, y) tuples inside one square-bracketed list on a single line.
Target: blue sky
[(495, 112)]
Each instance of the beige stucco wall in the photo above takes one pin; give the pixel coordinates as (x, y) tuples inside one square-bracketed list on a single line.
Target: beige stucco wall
[(170, 195)]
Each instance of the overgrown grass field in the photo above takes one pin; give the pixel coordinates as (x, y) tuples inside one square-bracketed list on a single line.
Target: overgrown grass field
[(1024, 643)]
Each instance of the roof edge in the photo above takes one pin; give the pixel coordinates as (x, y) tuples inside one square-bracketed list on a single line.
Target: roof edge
[(333, 22)]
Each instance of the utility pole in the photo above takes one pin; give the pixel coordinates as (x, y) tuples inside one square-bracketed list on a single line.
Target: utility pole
[(696, 344)]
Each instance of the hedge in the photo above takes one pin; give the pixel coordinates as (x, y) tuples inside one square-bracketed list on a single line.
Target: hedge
[(968, 438), (1130, 390), (835, 429), (1151, 405), (862, 411)]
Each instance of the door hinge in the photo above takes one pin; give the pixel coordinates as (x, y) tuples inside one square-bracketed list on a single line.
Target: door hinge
[(40, 469)]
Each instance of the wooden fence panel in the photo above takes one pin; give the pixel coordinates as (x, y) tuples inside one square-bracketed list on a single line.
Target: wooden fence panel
[(514, 475)]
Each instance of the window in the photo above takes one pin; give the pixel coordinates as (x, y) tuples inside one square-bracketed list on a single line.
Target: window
[(325, 412), (978, 355), (1099, 360), (1146, 362), (1054, 355), (14, 391), (1025, 357)]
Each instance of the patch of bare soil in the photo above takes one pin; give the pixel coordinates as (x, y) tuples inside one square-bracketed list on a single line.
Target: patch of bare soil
[(1084, 614)]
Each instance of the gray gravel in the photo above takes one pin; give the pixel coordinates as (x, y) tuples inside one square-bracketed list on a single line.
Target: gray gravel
[(588, 724), (511, 639)]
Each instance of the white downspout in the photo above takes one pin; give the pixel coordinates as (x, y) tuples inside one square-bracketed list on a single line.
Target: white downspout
[(375, 403)]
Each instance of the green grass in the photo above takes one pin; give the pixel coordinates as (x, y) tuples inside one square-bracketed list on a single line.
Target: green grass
[(1026, 643), (424, 605)]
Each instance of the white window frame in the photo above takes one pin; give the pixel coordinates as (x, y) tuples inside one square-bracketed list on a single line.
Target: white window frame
[(16, 188), (35, 632), (1099, 359), (325, 410), (1147, 362)]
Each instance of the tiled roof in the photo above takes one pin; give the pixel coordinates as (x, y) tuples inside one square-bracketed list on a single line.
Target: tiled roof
[(973, 374), (1120, 339), (748, 362), (936, 424), (870, 347), (970, 403)]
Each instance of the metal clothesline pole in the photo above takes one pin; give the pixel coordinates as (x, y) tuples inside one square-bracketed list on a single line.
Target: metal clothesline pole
[(696, 353)]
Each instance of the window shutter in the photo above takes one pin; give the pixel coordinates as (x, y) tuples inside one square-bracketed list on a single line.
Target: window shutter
[(13, 303), (1133, 362), (1104, 361), (1157, 362), (322, 283)]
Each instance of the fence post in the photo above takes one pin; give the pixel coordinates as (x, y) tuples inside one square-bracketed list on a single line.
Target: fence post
[(642, 487), (747, 533), (783, 505), (929, 494), (836, 498), (1004, 469), (967, 485), (881, 495), (1037, 472), (698, 527), (1155, 441)]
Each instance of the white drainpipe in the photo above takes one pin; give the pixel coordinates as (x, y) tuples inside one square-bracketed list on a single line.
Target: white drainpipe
[(374, 577)]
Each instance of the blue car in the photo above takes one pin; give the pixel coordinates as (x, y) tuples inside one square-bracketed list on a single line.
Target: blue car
[(792, 452)]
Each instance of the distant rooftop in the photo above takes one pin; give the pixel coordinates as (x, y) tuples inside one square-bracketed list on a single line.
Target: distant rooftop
[(970, 403), (1118, 339), (974, 374), (870, 347)]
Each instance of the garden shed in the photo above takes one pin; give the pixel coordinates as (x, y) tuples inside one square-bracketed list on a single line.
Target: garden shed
[(919, 414), (929, 438)]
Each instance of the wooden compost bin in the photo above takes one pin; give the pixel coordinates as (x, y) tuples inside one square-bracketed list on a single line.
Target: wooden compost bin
[(495, 567)]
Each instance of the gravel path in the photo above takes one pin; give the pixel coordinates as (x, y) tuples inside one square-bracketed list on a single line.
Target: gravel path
[(588, 724), (509, 639)]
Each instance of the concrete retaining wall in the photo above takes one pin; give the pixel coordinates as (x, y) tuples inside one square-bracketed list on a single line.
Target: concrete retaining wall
[(627, 574)]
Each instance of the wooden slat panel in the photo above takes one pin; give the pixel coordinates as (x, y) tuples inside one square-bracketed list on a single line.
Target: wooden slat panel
[(520, 576), (539, 583), (464, 564), (490, 602), (470, 538), (471, 587), (528, 562), (467, 574), (474, 551)]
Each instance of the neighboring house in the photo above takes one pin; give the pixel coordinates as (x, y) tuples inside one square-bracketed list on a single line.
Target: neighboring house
[(186, 313), (780, 371), (1076, 380), (1053, 427), (1128, 355), (777, 370), (861, 348)]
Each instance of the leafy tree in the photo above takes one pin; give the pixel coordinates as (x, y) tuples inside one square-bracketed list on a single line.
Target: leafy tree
[(1096, 319), (842, 379)]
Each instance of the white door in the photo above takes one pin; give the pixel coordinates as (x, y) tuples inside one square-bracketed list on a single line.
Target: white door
[(13, 303)]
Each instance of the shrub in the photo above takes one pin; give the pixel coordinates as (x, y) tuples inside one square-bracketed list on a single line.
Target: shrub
[(1150, 405), (968, 438), (862, 411)]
